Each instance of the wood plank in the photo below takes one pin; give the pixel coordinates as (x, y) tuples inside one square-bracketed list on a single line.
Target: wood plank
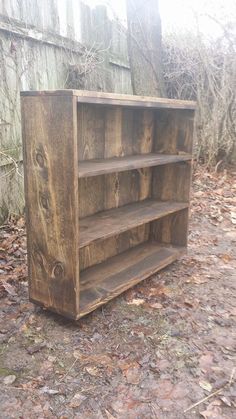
[(85, 96), (172, 229), (134, 101), (113, 190), (100, 250), (51, 188), (115, 221), (172, 182), (174, 131), (105, 281), (113, 132), (91, 136), (97, 167)]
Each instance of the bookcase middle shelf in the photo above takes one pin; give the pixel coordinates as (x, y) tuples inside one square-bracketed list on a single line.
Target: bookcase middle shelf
[(95, 167), (117, 220)]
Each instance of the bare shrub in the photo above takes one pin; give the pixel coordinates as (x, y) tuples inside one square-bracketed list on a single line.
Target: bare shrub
[(205, 71)]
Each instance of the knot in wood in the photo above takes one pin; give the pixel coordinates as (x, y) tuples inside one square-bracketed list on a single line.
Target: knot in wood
[(40, 159), (58, 270), (44, 201)]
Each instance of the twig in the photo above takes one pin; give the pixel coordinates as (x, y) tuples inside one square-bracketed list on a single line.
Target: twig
[(65, 375), (228, 384)]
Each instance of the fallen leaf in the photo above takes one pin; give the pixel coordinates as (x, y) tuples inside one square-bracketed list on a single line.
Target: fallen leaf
[(47, 390), (162, 365), (132, 375), (191, 303), (77, 400), (165, 389), (119, 406), (100, 359), (36, 348), (9, 379), (206, 361), (198, 280), (109, 415), (159, 290), (92, 371), (180, 391), (9, 289), (226, 258), (233, 217), (205, 385), (226, 401), (155, 305), (233, 311), (136, 302), (213, 411)]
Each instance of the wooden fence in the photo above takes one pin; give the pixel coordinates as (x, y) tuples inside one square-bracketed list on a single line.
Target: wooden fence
[(51, 44)]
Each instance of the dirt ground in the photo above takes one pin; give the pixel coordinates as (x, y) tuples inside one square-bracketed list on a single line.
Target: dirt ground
[(165, 349)]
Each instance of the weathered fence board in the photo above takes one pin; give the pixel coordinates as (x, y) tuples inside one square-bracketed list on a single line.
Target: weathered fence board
[(51, 44)]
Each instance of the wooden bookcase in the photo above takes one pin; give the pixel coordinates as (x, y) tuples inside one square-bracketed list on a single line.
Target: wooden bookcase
[(107, 180)]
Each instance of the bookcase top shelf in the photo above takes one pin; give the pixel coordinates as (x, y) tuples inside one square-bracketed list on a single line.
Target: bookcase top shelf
[(100, 98), (96, 167)]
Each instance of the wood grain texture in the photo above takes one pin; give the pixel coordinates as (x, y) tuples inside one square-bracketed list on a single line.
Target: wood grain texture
[(113, 132), (114, 190), (91, 134), (172, 229), (51, 187), (99, 251), (114, 221), (174, 131), (107, 180), (103, 282), (172, 182), (103, 166), (106, 132), (101, 98)]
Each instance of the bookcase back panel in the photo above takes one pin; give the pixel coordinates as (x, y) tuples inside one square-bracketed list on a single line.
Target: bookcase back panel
[(113, 190), (105, 132), (171, 182), (101, 250), (172, 229), (173, 131)]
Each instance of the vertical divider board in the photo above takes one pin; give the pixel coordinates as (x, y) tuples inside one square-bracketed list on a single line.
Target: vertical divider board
[(107, 181)]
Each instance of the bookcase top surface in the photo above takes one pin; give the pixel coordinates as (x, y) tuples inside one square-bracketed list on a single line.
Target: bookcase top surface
[(101, 98)]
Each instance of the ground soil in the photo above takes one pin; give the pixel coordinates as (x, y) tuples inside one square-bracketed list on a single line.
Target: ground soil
[(154, 352)]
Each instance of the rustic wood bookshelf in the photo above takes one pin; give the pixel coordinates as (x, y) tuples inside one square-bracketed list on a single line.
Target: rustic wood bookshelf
[(107, 181)]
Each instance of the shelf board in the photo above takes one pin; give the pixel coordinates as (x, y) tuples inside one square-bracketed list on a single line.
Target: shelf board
[(98, 167), (104, 281), (117, 220), (116, 99)]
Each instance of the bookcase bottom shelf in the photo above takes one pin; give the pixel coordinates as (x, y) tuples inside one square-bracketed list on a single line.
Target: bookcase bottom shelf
[(103, 282)]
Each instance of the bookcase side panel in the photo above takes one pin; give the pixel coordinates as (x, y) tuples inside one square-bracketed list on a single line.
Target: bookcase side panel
[(51, 190)]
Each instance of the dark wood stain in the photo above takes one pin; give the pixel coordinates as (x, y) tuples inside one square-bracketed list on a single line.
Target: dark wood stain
[(107, 181)]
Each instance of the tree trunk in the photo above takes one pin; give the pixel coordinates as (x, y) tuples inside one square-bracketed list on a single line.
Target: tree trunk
[(144, 46)]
